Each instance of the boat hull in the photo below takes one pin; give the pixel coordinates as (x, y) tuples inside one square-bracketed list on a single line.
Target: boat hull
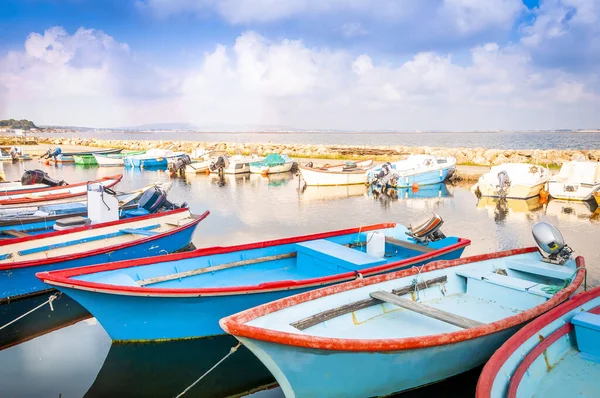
[(342, 374), (142, 317), (572, 190), (315, 177), (516, 191), (109, 161), (85, 160), (282, 168)]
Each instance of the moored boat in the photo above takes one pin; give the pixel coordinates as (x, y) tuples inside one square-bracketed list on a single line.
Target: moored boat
[(152, 298), (415, 169), (556, 355), (272, 164), (351, 173), (58, 156), (409, 328), (236, 164), (512, 181), (577, 180), (110, 160), (152, 158)]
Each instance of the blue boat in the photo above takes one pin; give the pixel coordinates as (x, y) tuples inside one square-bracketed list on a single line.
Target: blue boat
[(399, 331), (184, 295), (21, 258), (153, 158), (414, 170), (557, 355)]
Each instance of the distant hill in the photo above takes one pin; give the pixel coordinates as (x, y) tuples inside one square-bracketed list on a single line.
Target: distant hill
[(17, 124)]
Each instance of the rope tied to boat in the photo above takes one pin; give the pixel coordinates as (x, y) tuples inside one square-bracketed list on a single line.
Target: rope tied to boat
[(231, 351), (553, 289), (49, 302)]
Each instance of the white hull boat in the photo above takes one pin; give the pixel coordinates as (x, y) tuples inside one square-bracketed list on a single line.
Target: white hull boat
[(576, 181), (415, 169), (351, 174), (238, 164), (512, 181), (273, 164)]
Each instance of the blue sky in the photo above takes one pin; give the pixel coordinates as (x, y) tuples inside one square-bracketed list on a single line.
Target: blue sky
[(342, 64)]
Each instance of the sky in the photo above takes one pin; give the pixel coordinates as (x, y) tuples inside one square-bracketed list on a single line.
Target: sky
[(452, 65)]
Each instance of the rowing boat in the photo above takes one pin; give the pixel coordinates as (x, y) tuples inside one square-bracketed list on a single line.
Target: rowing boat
[(184, 295), (352, 173)]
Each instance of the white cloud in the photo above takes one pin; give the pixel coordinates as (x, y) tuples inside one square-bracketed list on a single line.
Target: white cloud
[(89, 78), (352, 30), (475, 15)]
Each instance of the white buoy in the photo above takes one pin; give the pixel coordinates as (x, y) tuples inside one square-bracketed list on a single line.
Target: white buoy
[(102, 207), (376, 244)]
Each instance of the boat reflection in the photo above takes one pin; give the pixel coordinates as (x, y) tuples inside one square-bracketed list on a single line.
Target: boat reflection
[(168, 368), (499, 209), (426, 196), (573, 211), (326, 193)]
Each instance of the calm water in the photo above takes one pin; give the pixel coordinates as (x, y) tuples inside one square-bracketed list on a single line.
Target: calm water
[(496, 140), (78, 360)]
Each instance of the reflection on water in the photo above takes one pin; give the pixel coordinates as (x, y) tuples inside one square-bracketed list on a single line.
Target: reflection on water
[(78, 360)]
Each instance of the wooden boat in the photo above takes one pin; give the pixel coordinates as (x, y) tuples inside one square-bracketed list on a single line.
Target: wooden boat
[(152, 158), (107, 160), (21, 258), (576, 180), (408, 329), (272, 164), (352, 173), (512, 181), (236, 164), (152, 298), (19, 196), (556, 355), (415, 169)]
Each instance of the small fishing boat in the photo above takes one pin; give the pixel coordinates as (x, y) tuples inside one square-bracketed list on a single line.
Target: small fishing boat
[(273, 164), (58, 156), (409, 328), (512, 181), (152, 298), (5, 155), (236, 164), (576, 180), (82, 243), (107, 160), (151, 159), (350, 173), (415, 169), (23, 195), (556, 355)]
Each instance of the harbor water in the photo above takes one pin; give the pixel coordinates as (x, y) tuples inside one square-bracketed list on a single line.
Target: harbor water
[(78, 360)]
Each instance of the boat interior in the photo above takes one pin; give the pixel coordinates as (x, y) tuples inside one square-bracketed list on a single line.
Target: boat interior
[(281, 263), (435, 302), (586, 172)]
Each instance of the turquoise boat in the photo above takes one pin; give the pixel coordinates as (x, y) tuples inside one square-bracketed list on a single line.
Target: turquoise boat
[(394, 332), (184, 295), (557, 355)]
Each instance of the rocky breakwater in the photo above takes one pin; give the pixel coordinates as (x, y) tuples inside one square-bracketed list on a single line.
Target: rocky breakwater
[(469, 156)]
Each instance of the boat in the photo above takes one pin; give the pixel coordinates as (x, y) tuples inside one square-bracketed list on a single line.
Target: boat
[(36, 220), (19, 196), (556, 355), (85, 244), (577, 180), (236, 164), (151, 159), (512, 181), (115, 159), (273, 164), (415, 169), (350, 173), (5, 155), (58, 156), (152, 298), (409, 328)]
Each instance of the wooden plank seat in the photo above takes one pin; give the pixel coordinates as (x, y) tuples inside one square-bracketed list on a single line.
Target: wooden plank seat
[(14, 233), (505, 281), (331, 255), (426, 310), (323, 316), (546, 269)]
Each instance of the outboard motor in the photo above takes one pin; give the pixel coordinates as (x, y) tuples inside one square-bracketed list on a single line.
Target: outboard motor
[(178, 165), (52, 153), (385, 175), (429, 231), (31, 177), (154, 199), (551, 243), (220, 164), (503, 183)]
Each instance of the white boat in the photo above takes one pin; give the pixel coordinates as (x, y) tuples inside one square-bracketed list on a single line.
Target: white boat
[(512, 181), (415, 169), (273, 164), (576, 180), (344, 174), (236, 164), (109, 160), (152, 158)]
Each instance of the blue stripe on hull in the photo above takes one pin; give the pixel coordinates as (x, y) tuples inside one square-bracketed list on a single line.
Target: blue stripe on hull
[(431, 177), (306, 372), (127, 317), (22, 281)]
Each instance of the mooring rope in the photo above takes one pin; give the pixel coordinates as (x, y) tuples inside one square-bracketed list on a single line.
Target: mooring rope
[(49, 301), (231, 351)]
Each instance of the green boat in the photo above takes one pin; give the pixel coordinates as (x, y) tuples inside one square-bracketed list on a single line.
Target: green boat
[(90, 160)]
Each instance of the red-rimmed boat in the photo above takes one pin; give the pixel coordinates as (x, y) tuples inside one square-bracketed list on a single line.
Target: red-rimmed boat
[(556, 355), (184, 295), (394, 332)]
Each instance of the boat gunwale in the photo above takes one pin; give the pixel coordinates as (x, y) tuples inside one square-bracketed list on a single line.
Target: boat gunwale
[(237, 324), (357, 171), (491, 369), (5, 193), (63, 277), (111, 248)]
